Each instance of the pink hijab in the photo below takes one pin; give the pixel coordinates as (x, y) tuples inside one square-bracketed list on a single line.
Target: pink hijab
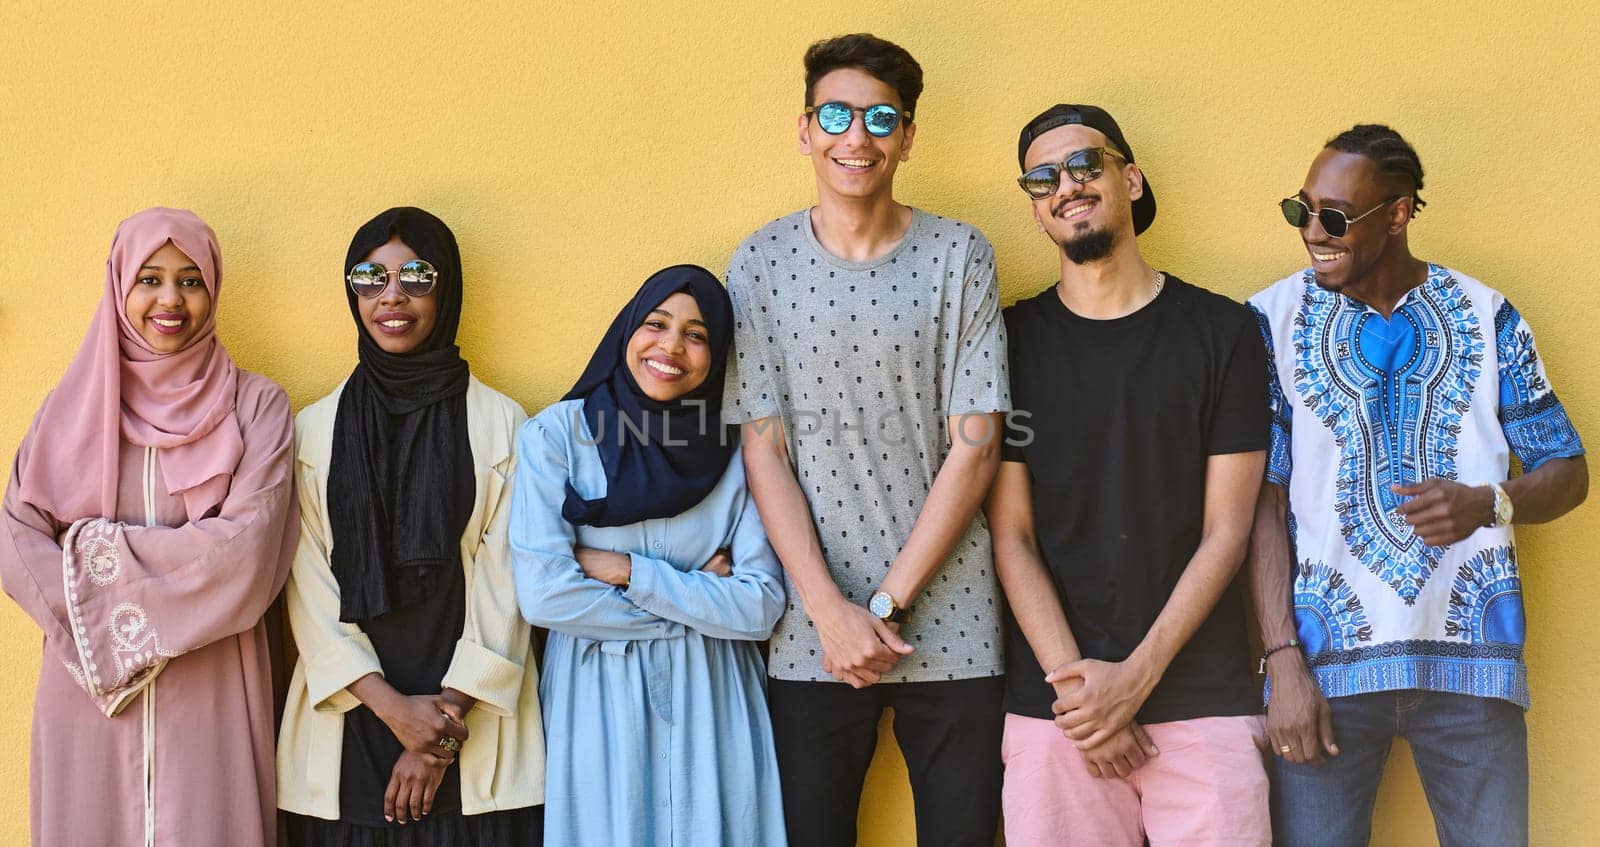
[(118, 387)]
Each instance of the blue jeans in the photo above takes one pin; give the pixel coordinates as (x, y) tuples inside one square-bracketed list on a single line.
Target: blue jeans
[(1472, 754)]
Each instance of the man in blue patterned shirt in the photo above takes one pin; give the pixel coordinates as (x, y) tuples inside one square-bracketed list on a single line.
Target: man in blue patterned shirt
[(1384, 568)]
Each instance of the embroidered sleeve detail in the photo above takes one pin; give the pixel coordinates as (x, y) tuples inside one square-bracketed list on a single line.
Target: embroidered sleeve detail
[(1535, 423), (76, 673), (119, 652)]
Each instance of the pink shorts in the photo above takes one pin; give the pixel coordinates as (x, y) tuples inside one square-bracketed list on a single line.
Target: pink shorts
[(1206, 786)]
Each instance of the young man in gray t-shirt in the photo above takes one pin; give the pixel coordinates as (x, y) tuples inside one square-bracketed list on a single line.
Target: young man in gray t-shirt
[(869, 376)]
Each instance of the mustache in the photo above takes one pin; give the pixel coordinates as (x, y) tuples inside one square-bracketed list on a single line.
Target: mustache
[(1062, 204)]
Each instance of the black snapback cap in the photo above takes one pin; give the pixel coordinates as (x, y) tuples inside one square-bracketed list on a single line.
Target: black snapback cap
[(1093, 117)]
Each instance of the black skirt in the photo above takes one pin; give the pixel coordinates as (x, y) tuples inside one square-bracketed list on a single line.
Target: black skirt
[(509, 828)]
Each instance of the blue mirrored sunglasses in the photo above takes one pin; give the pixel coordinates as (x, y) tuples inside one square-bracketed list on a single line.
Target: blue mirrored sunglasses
[(835, 118)]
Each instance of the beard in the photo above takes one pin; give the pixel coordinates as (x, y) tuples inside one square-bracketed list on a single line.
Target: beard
[(1089, 247)]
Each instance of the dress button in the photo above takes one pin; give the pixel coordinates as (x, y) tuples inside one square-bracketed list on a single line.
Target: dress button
[(657, 545)]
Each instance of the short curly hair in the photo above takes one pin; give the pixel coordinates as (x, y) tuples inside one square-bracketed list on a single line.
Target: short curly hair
[(1393, 155), (883, 60)]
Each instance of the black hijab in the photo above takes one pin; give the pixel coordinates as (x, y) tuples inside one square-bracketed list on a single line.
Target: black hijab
[(400, 486), (685, 448)]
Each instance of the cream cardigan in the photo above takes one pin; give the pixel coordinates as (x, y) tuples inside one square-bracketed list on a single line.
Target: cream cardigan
[(502, 763)]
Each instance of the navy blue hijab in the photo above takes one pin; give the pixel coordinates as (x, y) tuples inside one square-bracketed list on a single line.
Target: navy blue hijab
[(660, 459)]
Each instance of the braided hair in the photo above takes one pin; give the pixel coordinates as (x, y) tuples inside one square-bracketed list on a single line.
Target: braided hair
[(1392, 154)]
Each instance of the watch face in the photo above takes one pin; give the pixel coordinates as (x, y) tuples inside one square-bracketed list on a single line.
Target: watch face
[(881, 605), (1502, 507)]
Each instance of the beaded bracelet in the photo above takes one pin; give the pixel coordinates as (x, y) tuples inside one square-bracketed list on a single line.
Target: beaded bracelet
[(1293, 642)]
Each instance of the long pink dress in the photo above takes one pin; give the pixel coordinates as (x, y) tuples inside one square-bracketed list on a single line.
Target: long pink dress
[(154, 724)]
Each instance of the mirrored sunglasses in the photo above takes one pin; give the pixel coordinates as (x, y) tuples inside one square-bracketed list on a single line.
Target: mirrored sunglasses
[(369, 279), (835, 118)]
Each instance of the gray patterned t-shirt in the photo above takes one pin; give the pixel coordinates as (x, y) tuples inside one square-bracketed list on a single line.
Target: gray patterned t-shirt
[(865, 362)]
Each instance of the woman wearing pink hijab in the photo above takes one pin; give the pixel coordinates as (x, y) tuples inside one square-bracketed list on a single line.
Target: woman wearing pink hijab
[(149, 524)]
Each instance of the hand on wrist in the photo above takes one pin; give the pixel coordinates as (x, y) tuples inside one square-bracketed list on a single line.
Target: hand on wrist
[(1067, 686), (460, 701)]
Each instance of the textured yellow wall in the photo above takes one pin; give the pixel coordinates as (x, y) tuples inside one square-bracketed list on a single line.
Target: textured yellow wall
[(576, 148)]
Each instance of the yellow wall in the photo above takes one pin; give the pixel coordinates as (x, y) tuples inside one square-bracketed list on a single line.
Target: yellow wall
[(576, 148)]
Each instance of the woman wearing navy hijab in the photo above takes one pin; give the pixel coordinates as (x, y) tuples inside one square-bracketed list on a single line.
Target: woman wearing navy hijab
[(636, 543)]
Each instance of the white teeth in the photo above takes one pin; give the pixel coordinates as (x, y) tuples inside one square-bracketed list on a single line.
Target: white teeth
[(1327, 257), (666, 369), (1078, 211), (172, 324), (855, 163), (394, 324)]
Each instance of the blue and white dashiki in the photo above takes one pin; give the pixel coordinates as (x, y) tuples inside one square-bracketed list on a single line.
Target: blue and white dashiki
[(1450, 386)]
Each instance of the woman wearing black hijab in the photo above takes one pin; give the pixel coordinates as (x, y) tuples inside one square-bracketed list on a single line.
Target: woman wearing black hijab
[(635, 541), (413, 716)]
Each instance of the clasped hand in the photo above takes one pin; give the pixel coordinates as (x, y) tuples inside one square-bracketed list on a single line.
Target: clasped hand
[(419, 722), (857, 647), (1104, 702)]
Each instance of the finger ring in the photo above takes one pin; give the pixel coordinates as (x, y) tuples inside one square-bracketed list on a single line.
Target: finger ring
[(449, 743), (1285, 749)]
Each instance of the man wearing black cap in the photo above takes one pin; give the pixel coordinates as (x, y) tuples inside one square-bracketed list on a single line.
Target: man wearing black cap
[(1120, 521)]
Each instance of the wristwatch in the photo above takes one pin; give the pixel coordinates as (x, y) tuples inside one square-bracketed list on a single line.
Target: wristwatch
[(1502, 507), (884, 608)]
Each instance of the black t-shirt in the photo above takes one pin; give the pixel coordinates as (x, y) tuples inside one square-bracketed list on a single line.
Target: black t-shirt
[(1124, 414)]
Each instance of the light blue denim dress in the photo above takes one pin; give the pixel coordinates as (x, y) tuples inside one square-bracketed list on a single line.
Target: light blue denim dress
[(654, 698)]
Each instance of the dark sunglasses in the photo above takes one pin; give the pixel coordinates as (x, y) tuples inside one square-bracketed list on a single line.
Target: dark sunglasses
[(1083, 166), (835, 118), (1334, 222), (369, 279)]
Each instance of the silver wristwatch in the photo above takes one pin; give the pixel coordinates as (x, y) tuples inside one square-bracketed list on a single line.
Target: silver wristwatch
[(1502, 507)]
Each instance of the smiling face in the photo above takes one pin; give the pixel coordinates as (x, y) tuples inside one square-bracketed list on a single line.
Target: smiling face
[(854, 163), (397, 322), (669, 354), (1350, 183), (1085, 220), (168, 304)]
